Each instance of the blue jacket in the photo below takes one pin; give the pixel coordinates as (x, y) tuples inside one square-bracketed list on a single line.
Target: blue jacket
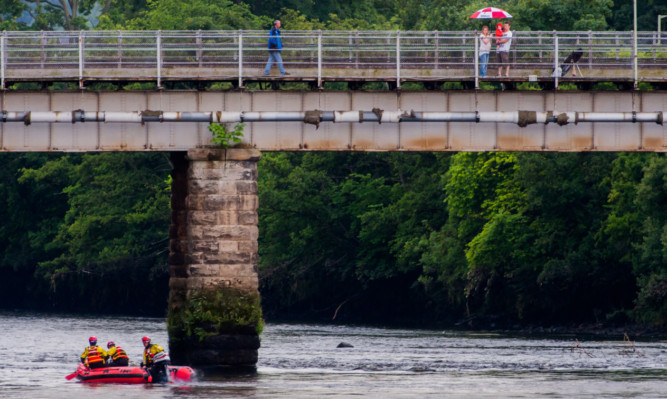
[(275, 43)]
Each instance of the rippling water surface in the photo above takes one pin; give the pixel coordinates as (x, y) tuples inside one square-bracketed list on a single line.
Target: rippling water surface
[(302, 361)]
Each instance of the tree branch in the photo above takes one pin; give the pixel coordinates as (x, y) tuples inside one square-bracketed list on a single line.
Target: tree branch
[(107, 6)]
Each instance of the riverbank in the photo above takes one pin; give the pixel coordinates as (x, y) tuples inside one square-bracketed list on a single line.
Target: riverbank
[(610, 331)]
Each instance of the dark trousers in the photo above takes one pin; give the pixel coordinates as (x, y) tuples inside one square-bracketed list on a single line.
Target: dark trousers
[(122, 362), (96, 365), (159, 372)]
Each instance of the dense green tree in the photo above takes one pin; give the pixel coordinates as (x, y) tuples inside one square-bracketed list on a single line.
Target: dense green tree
[(196, 14), (12, 10), (111, 215), (67, 14), (29, 212), (545, 15), (354, 231), (621, 17), (93, 230), (116, 13), (650, 263), (362, 10)]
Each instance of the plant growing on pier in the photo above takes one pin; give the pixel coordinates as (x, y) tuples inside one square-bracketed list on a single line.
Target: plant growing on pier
[(226, 138), (216, 312)]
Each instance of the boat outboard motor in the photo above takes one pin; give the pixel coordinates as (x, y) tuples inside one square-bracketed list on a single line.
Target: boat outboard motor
[(159, 370)]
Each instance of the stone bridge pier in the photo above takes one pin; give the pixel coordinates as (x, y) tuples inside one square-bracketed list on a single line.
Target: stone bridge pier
[(214, 317)]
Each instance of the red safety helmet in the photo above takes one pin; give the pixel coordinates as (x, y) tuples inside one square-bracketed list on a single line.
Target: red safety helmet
[(146, 340), (92, 340), (110, 344)]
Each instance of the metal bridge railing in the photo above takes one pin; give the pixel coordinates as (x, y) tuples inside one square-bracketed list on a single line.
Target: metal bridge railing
[(320, 56)]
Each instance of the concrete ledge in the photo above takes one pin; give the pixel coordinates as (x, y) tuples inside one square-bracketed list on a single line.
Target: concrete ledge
[(222, 154)]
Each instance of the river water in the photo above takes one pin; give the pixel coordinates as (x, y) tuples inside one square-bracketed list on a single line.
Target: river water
[(302, 361)]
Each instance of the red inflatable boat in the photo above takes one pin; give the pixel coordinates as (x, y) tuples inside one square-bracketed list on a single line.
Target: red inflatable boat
[(129, 374)]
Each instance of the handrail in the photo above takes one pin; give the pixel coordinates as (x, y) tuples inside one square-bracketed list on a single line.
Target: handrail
[(320, 56)]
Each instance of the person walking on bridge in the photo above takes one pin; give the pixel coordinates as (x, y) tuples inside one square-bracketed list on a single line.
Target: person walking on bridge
[(93, 356), (275, 48), (117, 355)]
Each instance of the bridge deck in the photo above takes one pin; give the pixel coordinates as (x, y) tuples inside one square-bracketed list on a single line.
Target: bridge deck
[(321, 56)]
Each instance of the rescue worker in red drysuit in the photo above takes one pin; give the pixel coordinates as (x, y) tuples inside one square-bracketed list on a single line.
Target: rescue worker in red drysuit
[(93, 356), (117, 356), (157, 369)]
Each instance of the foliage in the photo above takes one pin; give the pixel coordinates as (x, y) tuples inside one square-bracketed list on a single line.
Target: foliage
[(225, 138), (545, 15), (215, 312), (647, 15), (196, 14), (87, 226), (12, 10), (66, 14)]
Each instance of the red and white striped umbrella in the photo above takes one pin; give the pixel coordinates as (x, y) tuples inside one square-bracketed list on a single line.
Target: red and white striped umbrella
[(490, 12)]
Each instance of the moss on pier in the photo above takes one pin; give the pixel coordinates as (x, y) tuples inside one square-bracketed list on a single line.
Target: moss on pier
[(216, 312)]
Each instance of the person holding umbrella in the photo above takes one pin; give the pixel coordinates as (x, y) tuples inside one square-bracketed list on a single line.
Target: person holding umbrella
[(505, 40)]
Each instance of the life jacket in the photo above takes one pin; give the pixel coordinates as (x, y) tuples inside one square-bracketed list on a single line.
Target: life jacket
[(94, 355), (150, 352), (119, 353)]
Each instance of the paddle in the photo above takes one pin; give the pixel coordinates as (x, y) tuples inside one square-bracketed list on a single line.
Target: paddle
[(74, 374)]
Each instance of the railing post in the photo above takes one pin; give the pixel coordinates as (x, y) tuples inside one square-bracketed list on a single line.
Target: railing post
[(634, 45), (120, 49), (556, 73), (590, 49), (240, 59), (539, 42), (426, 52), (319, 59), (437, 48), (81, 58), (42, 52), (398, 59), (463, 46), (356, 50), (3, 57), (476, 60), (198, 41), (635, 65), (158, 43)]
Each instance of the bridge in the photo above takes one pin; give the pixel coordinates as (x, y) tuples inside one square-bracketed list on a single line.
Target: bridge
[(213, 233)]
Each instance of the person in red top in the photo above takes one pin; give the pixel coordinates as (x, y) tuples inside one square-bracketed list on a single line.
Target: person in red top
[(93, 356), (499, 30), (117, 355)]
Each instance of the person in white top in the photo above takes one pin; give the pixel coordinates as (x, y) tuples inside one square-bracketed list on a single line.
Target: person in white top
[(484, 50), (503, 50)]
